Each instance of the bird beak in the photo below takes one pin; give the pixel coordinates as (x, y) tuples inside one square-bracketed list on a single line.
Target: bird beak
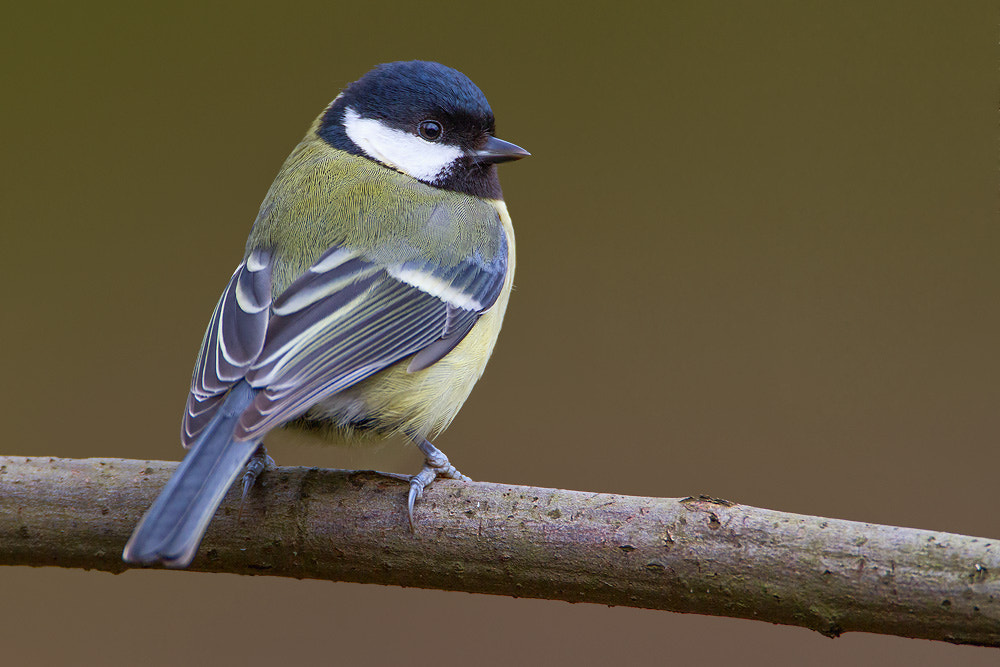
[(497, 150)]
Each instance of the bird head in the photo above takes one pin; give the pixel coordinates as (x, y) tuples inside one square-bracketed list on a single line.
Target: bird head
[(425, 120)]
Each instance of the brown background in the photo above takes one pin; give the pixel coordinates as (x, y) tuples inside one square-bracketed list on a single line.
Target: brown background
[(757, 258)]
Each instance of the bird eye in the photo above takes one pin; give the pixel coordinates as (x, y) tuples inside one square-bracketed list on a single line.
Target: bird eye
[(430, 130)]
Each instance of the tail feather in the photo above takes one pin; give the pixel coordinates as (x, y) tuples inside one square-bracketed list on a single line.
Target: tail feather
[(173, 527)]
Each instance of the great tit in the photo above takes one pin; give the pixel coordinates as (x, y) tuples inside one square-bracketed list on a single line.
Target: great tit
[(369, 298)]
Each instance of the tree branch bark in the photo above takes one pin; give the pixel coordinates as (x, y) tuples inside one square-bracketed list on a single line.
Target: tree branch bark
[(696, 555)]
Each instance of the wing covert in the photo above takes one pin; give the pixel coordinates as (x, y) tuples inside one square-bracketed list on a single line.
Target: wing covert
[(347, 318)]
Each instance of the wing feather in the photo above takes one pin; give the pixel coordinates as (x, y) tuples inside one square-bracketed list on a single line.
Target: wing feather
[(233, 341), (344, 319)]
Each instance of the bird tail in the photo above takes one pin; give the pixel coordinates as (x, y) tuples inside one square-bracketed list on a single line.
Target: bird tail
[(173, 526)]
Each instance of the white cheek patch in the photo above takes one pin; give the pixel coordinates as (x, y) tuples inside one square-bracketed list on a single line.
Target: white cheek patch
[(406, 152)]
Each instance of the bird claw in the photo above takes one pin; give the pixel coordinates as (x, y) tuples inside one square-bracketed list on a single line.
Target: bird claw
[(436, 464), (258, 463)]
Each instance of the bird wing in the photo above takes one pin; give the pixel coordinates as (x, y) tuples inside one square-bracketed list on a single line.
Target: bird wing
[(346, 318), (233, 341)]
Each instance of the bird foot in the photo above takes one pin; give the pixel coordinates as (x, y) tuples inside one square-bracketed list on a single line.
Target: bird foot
[(436, 464), (258, 463)]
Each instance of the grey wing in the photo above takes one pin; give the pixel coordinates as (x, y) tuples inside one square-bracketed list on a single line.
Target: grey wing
[(348, 317), (233, 341)]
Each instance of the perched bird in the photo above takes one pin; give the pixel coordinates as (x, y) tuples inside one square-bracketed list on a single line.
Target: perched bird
[(369, 298)]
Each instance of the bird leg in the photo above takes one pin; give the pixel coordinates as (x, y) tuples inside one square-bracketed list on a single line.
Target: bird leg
[(258, 463)]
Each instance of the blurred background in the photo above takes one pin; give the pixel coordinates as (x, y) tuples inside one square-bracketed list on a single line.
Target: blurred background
[(757, 258)]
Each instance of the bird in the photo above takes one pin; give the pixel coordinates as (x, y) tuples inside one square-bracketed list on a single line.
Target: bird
[(369, 298)]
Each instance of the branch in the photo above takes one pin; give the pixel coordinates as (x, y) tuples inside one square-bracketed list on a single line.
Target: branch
[(697, 555)]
